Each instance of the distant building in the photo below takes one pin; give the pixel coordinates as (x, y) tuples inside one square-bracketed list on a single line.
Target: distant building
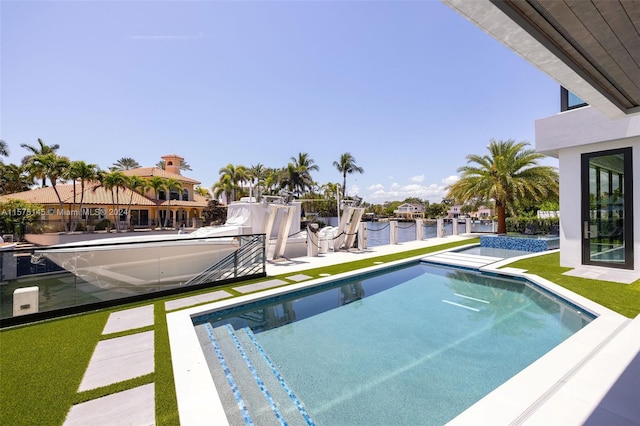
[(184, 207), (409, 211), (483, 212)]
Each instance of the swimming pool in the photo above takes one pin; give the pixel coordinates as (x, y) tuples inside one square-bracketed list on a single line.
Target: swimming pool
[(416, 344)]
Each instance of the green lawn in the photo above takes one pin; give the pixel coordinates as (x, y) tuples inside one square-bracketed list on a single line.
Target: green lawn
[(622, 298), (41, 365)]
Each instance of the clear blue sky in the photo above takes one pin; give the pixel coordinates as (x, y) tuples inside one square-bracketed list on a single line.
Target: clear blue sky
[(408, 88)]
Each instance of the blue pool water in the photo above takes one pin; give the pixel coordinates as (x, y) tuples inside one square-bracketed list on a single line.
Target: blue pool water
[(415, 345)]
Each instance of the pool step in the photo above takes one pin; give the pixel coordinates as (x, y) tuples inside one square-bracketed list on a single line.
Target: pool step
[(461, 259), (246, 378)]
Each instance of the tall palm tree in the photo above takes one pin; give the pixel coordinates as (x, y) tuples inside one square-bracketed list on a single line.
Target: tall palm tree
[(170, 185), (125, 163), (257, 174), (83, 172), (157, 184), (509, 173), (41, 149), (236, 175), (135, 184), (53, 167), (347, 165), (115, 182)]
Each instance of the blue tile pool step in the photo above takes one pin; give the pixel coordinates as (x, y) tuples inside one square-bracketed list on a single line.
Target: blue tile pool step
[(248, 384)]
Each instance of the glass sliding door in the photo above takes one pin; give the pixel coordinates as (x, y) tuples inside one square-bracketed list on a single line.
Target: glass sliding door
[(607, 214)]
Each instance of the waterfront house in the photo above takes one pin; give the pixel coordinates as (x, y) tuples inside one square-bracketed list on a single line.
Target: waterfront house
[(409, 211), (590, 48), (184, 207), (483, 212)]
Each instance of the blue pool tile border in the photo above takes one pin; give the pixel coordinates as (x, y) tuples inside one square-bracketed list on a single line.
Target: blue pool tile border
[(256, 376), (232, 383), (276, 373)]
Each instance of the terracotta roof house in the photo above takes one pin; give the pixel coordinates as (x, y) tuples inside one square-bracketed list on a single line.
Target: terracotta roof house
[(184, 207)]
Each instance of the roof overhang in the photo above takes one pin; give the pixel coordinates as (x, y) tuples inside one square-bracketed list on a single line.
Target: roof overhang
[(591, 47)]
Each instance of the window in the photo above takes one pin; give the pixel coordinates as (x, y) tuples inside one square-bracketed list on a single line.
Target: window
[(569, 101)]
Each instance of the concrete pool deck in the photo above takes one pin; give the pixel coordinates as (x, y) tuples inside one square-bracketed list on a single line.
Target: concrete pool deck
[(592, 378)]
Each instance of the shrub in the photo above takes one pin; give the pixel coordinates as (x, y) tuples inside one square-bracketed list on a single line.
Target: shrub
[(519, 224), (103, 225)]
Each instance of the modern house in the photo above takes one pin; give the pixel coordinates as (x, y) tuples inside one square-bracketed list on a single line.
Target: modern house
[(592, 49), (184, 207)]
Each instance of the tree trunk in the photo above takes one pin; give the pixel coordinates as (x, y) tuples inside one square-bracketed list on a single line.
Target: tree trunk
[(502, 218)]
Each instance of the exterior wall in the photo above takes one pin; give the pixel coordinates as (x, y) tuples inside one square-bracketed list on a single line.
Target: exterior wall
[(567, 136), (582, 126)]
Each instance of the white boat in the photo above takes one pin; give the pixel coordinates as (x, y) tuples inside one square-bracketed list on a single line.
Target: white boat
[(154, 260)]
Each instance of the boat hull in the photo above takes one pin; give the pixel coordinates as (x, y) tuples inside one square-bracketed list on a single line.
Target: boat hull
[(145, 264)]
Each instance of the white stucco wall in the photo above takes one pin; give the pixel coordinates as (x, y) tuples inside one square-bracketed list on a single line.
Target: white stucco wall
[(567, 136), (582, 126)]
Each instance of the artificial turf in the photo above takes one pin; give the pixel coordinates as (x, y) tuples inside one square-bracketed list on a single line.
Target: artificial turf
[(622, 298)]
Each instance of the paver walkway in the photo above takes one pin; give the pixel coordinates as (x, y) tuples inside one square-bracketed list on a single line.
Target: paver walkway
[(115, 360)]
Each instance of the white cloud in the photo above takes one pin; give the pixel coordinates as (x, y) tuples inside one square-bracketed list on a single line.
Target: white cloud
[(433, 192), (450, 179), (353, 190)]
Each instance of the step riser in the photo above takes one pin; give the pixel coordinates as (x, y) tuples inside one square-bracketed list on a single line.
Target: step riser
[(250, 382)]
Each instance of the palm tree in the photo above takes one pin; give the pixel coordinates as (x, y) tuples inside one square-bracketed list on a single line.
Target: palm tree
[(53, 167), (41, 149), (114, 182), (507, 174), (157, 184), (170, 185), (347, 165), (223, 186), (13, 178), (201, 190), (183, 165), (79, 170), (135, 184), (125, 163), (331, 192), (236, 175), (299, 171), (4, 149), (257, 173)]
